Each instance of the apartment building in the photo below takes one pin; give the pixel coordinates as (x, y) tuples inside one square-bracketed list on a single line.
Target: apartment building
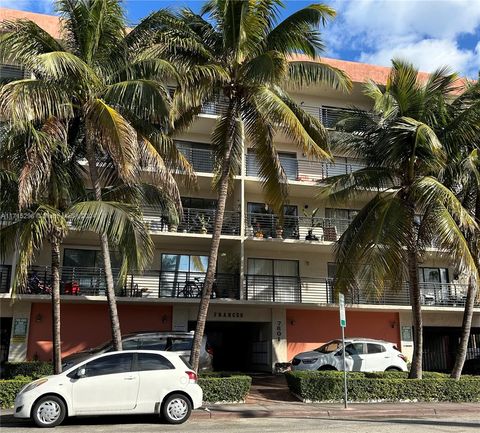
[(273, 293)]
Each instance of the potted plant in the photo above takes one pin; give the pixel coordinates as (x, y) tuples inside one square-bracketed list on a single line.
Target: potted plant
[(203, 221), (258, 232), (313, 223), (279, 232)]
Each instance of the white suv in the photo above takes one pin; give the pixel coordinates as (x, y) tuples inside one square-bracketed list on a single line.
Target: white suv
[(361, 354), (127, 382)]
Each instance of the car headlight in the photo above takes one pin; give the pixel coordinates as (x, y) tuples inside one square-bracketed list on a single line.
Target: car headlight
[(33, 385), (309, 360)]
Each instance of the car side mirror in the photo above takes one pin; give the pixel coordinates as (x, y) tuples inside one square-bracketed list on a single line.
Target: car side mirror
[(81, 372)]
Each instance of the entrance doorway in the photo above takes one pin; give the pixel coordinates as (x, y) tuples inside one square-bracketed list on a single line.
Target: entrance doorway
[(5, 331), (239, 346)]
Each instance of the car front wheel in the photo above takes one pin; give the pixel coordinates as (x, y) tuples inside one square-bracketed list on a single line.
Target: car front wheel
[(49, 411), (176, 409)]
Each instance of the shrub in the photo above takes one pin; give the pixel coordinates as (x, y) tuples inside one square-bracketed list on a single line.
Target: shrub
[(385, 386), (34, 369), (220, 388), (8, 391)]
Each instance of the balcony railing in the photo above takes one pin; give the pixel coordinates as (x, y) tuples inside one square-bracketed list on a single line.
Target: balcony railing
[(200, 159), (5, 274), (328, 116), (198, 221), (90, 281), (283, 289), (303, 170), (295, 227)]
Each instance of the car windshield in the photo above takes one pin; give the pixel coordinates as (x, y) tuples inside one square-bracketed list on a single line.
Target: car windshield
[(330, 347)]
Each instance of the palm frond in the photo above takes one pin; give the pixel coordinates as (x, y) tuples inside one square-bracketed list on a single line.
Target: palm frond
[(302, 74)]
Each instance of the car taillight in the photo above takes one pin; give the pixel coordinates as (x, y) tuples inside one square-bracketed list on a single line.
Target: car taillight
[(192, 376), (403, 357)]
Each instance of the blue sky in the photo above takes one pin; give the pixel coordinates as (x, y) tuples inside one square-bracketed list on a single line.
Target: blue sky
[(430, 33)]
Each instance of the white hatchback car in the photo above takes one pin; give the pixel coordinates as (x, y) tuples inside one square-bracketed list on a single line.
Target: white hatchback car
[(361, 354), (127, 382)]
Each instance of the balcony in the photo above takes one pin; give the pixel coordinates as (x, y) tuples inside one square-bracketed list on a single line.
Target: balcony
[(5, 274), (304, 290), (260, 225), (199, 156), (199, 221), (303, 170), (88, 281)]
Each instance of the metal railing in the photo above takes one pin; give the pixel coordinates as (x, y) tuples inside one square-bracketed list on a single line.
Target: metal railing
[(303, 170), (200, 159), (198, 221), (91, 281), (295, 227), (5, 275), (305, 290)]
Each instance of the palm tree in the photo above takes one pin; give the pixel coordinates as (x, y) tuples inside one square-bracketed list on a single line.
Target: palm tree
[(461, 133), (113, 99), (43, 180), (237, 53), (401, 144)]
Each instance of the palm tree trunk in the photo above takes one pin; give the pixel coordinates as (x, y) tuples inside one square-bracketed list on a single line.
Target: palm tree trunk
[(469, 305), (57, 342), (112, 303), (210, 276), (415, 300)]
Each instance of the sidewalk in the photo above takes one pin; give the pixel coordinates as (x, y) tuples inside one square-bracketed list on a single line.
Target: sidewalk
[(336, 410)]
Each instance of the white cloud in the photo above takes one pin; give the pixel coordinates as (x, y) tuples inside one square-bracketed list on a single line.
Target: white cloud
[(40, 6), (423, 31), (428, 55)]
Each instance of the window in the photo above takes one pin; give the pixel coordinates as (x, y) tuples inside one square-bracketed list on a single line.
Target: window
[(88, 258), (152, 361), (153, 343), (199, 203), (180, 270), (199, 155), (433, 275), (354, 349), (288, 162), (375, 348), (180, 344), (111, 364), (130, 344), (329, 347), (261, 218)]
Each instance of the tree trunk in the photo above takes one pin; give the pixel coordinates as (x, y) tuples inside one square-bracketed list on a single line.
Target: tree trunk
[(469, 305), (210, 276), (56, 338), (112, 303), (415, 300)]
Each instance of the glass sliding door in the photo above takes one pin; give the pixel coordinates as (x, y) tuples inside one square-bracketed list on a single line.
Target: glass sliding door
[(182, 274), (273, 280)]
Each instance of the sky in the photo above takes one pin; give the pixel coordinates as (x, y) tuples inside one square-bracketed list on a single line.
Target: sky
[(429, 33)]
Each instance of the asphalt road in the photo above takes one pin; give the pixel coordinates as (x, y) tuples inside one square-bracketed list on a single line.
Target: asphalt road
[(144, 424)]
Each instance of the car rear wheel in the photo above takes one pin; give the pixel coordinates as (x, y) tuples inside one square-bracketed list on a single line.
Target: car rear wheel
[(48, 411), (176, 409)]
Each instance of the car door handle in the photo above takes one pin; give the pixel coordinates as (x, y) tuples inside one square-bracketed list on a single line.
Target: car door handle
[(130, 378)]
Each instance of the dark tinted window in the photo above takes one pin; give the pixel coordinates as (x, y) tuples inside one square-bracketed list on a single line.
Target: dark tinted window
[(118, 363), (179, 344), (151, 361), (130, 345), (375, 348), (153, 343)]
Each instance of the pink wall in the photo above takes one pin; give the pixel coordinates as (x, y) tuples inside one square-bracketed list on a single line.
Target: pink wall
[(309, 329), (88, 325)]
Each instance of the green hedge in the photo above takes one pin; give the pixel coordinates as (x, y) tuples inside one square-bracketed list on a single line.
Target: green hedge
[(33, 369), (327, 386), (220, 388), (8, 391)]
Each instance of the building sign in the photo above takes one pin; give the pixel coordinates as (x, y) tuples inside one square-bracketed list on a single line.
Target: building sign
[(406, 333), (227, 315), (19, 333), (279, 330)]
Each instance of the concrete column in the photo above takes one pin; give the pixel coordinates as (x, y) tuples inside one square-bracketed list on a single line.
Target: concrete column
[(279, 336), (406, 333), (180, 318), (18, 341)]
